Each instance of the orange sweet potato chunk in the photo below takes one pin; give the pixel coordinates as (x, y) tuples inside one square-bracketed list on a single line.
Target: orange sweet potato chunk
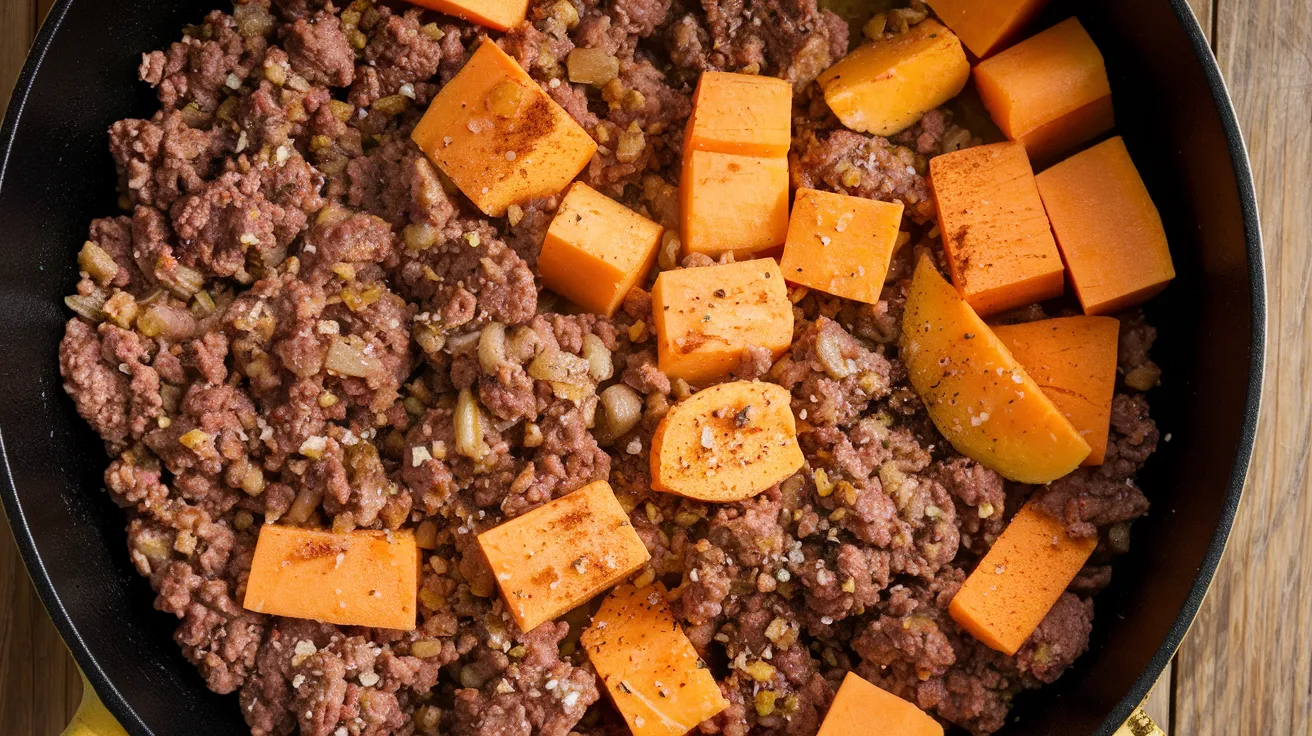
[(1073, 360), (1049, 92), (704, 318), (996, 235), (1019, 580), (648, 665), (596, 250), (733, 204), (886, 85), (1107, 228), (744, 114), (562, 554), (860, 708), (499, 137), (500, 15), (841, 245), (726, 443), (986, 26), (978, 396), (360, 578)]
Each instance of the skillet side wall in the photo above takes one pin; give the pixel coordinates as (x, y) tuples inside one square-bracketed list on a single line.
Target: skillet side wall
[(56, 175)]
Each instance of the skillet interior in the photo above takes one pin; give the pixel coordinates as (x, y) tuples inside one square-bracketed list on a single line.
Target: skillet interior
[(56, 176)]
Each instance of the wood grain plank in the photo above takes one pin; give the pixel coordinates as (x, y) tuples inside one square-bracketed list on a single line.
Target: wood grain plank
[(1158, 704), (43, 8), (39, 683), (1204, 10), (1245, 668), (17, 23)]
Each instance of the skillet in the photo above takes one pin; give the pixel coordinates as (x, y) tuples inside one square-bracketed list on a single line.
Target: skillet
[(1172, 108)]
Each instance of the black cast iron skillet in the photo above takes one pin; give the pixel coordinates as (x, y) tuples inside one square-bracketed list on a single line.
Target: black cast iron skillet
[(56, 176)]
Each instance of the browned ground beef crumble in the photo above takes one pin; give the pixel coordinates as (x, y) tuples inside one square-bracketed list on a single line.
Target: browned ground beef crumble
[(280, 170)]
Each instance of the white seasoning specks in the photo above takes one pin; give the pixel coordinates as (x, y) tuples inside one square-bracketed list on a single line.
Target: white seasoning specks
[(708, 438), (419, 455), (369, 679), (570, 700)]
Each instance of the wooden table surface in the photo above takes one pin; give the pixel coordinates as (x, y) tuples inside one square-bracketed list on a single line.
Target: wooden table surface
[(1246, 667)]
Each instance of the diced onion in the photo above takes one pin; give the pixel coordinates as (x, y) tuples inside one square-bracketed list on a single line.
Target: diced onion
[(592, 66), (347, 357), (469, 427), (97, 262)]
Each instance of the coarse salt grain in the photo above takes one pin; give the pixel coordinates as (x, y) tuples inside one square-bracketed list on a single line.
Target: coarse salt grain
[(315, 444), (419, 455), (369, 679)]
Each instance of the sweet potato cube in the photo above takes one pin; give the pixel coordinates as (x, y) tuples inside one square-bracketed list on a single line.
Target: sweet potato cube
[(884, 86), (1107, 228), (861, 708), (733, 204), (986, 26), (996, 235), (596, 250), (562, 554), (648, 665), (744, 114), (1073, 360), (499, 137), (706, 317), (1019, 580), (360, 578), (978, 396), (1049, 92), (726, 443), (500, 15), (841, 245)]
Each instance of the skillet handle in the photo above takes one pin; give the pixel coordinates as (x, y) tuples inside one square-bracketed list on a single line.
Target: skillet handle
[(1139, 724), (92, 717)]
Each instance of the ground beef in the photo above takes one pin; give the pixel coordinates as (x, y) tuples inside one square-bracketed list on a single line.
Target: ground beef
[(321, 301), (162, 159), (833, 377), (203, 67), (319, 50), (840, 160), (400, 51)]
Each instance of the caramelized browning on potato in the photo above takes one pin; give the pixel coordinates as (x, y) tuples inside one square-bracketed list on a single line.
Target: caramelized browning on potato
[(360, 578), (979, 397), (562, 554), (648, 665), (499, 137), (726, 443)]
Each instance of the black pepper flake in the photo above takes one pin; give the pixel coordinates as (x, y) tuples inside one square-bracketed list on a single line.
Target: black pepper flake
[(970, 336), (719, 293), (742, 418)]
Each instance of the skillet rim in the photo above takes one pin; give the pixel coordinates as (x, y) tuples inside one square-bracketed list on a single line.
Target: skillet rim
[(133, 723)]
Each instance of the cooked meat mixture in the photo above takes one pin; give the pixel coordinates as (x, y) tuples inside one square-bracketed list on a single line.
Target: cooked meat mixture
[(293, 299)]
